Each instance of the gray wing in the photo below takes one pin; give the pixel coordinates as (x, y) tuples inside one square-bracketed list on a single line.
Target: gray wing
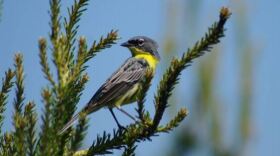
[(131, 72)]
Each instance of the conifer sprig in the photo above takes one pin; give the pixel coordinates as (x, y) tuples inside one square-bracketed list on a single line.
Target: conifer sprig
[(79, 134), (175, 121), (5, 89), (61, 99), (7, 145), (129, 149), (44, 60), (141, 98), (18, 119), (30, 119), (71, 25), (18, 101), (171, 77), (46, 128), (103, 43), (107, 142), (55, 20)]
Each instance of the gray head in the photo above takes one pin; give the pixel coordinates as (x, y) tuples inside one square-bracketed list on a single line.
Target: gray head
[(142, 44)]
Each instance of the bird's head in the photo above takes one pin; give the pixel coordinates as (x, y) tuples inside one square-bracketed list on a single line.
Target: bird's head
[(142, 45)]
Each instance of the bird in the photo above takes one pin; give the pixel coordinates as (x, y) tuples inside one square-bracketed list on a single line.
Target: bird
[(123, 86)]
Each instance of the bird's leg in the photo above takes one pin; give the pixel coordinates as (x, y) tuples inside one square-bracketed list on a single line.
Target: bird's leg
[(123, 111), (115, 118)]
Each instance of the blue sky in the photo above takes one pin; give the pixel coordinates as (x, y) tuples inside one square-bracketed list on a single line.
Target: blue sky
[(24, 22)]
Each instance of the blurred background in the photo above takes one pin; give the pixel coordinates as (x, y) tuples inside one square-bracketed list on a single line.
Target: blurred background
[(231, 93)]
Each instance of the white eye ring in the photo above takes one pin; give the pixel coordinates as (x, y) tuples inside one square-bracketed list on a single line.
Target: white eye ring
[(140, 41)]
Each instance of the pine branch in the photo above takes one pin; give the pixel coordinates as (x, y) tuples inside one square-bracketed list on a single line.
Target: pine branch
[(171, 77), (57, 53), (46, 130), (80, 67), (7, 146), (67, 93), (57, 39), (121, 138), (18, 102), (70, 72), (62, 98), (5, 89), (129, 150), (141, 98), (211, 38), (104, 144), (6, 141), (77, 80), (79, 134), (175, 121), (81, 153), (84, 55), (54, 98), (61, 62), (31, 118), (102, 44), (55, 20), (44, 60), (73, 86), (18, 119), (71, 25)]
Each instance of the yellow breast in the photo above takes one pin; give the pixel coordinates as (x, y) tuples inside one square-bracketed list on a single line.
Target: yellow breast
[(152, 61)]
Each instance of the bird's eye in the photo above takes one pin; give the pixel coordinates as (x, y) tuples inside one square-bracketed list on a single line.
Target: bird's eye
[(140, 42)]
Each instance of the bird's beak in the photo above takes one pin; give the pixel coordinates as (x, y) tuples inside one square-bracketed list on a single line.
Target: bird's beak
[(125, 44)]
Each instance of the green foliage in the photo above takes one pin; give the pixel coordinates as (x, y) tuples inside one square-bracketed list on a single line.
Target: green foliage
[(141, 98), (66, 83), (18, 118), (79, 133), (70, 25), (62, 96), (129, 150), (6, 86), (7, 145), (30, 132)]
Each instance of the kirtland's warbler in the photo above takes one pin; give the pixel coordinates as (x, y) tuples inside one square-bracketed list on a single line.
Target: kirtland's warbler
[(123, 86)]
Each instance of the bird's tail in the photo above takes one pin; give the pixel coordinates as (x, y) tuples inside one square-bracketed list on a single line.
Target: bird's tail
[(69, 124)]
